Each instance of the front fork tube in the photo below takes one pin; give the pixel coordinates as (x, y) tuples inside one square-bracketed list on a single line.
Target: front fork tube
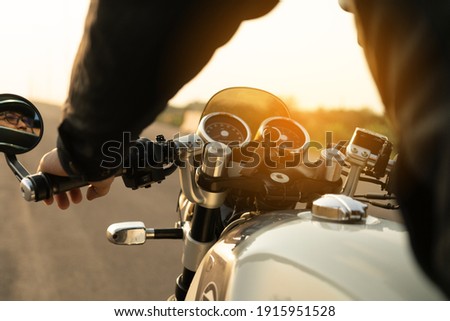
[(197, 242), (201, 235)]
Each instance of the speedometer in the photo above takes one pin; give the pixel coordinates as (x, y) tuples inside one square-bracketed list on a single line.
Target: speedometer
[(225, 128), (225, 133)]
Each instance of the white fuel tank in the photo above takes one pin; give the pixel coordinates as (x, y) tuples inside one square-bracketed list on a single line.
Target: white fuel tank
[(289, 255)]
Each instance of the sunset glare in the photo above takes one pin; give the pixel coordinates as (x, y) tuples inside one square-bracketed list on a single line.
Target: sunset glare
[(304, 51)]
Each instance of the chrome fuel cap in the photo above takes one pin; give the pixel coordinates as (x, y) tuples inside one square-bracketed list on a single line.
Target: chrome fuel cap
[(339, 207)]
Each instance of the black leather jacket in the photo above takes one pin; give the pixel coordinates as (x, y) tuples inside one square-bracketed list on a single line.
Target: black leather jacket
[(407, 46), (133, 58)]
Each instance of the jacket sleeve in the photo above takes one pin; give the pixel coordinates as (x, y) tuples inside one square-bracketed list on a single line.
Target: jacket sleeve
[(407, 46), (132, 59)]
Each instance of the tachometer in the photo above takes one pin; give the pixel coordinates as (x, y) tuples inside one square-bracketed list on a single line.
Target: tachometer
[(285, 132)]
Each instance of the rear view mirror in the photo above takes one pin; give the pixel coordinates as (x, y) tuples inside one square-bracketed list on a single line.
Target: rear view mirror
[(21, 126)]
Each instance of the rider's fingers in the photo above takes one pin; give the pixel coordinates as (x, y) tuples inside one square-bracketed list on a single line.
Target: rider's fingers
[(62, 200), (49, 201), (76, 196), (94, 192), (99, 189), (50, 164)]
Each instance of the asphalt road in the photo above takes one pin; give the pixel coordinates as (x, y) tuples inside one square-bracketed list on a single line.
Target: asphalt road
[(49, 254)]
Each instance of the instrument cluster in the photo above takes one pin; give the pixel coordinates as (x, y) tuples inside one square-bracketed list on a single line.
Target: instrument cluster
[(226, 128)]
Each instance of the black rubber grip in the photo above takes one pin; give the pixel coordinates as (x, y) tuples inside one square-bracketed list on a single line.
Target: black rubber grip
[(40, 186)]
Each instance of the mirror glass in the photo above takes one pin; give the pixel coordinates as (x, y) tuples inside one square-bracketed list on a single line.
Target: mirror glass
[(21, 126)]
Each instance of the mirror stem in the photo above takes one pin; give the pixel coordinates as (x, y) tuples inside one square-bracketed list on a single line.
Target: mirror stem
[(16, 166)]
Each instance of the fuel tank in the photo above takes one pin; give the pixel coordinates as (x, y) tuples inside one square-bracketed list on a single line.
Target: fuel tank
[(292, 255)]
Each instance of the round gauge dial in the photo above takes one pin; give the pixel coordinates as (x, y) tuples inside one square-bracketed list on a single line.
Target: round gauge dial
[(290, 138), (285, 132), (224, 133), (224, 128)]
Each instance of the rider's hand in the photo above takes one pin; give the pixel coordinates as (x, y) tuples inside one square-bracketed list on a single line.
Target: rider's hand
[(50, 164)]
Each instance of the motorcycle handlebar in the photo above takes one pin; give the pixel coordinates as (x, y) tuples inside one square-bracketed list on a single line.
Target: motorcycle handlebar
[(41, 186)]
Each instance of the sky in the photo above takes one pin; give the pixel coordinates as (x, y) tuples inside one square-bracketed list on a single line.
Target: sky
[(303, 51)]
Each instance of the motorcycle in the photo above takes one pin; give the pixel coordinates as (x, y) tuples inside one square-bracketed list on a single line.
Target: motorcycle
[(259, 216)]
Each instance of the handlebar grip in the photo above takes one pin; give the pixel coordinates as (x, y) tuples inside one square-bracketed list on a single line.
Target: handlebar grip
[(40, 186)]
